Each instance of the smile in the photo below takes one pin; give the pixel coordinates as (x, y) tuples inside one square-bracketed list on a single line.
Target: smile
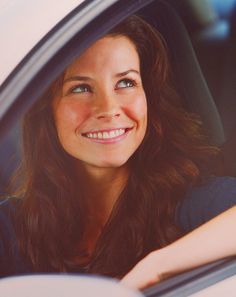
[(107, 134)]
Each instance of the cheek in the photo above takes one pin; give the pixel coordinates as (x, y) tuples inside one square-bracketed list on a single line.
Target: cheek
[(137, 108), (69, 116)]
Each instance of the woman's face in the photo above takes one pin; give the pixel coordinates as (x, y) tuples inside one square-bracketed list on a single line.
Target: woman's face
[(101, 113)]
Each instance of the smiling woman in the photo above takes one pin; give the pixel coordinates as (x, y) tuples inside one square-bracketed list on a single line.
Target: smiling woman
[(102, 102), (112, 167)]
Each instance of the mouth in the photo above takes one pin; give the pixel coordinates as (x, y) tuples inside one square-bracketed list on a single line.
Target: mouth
[(106, 135)]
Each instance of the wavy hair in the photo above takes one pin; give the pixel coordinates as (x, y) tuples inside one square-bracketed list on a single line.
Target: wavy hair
[(171, 159)]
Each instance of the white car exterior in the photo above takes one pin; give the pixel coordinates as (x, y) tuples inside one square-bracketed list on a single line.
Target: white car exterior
[(23, 23)]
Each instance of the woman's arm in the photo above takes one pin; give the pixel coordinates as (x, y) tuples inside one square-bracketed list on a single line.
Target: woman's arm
[(214, 240)]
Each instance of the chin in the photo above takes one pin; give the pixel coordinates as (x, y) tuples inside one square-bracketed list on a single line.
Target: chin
[(112, 164)]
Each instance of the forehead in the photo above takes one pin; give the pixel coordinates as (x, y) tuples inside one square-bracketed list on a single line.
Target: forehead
[(116, 53)]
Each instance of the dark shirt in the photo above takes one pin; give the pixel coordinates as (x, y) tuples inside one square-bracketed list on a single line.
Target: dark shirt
[(200, 205)]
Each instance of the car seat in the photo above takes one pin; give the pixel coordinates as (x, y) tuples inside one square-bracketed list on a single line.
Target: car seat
[(189, 78), (227, 104)]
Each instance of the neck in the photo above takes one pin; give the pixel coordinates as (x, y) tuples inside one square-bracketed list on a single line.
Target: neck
[(102, 188)]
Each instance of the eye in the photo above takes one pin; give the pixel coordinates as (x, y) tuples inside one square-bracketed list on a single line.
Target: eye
[(81, 89), (125, 83)]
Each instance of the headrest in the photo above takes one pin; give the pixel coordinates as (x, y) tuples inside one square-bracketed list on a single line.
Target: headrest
[(189, 79)]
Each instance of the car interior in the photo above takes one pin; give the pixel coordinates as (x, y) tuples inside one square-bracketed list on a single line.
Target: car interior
[(200, 36), (211, 26)]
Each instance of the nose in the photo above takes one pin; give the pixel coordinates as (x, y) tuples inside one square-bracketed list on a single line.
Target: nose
[(107, 106)]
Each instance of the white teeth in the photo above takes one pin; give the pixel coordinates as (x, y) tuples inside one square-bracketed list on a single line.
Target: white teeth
[(105, 135), (112, 134)]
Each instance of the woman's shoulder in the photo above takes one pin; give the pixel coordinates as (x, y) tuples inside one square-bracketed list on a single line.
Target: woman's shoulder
[(206, 200), (221, 188), (8, 207), (10, 260)]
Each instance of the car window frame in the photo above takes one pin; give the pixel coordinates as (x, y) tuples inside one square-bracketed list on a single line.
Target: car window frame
[(195, 280)]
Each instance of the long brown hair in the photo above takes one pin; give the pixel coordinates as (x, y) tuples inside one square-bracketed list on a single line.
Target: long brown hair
[(171, 159)]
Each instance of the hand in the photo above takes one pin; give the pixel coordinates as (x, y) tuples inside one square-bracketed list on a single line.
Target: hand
[(144, 274)]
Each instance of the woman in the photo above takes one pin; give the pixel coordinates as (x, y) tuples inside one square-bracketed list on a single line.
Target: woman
[(112, 166)]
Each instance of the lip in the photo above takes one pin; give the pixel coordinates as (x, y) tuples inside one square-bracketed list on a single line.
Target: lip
[(109, 140)]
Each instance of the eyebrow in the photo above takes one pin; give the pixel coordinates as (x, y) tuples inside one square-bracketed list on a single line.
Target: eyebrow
[(86, 78), (77, 77), (127, 72)]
